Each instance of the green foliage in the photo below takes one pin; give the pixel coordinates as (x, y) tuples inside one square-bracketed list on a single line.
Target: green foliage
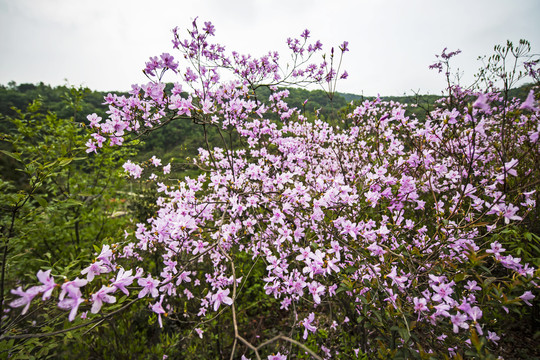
[(57, 201)]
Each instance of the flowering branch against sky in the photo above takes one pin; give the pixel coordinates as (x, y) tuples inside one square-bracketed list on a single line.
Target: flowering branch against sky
[(390, 42)]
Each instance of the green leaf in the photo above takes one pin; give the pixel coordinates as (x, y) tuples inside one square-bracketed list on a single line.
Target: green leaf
[(11, 155), (42, 202), (65, 161), (73, 202)]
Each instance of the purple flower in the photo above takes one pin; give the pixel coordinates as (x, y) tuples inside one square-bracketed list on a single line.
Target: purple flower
[(48, 283), (102, 296), (105, 255), (481, 103), (475, 313), (437, 65), (316, 289), (492, 336), (420, 304), (133, 169), (496, 248), (509, 167), (155, 161), (94, 120), (167, 169), (526, 297), (151, 65), (123, 279), (72, 288), (459, 321), (442, 309), (91, 146), (472, 286), (168, 61), (149, 286), (158, 309), (71, 303), (209, 28), (25, 297), (307, 325), (190, 76), (443, 292), (221, 297), (278, 356), (94, 269), (529, 103)]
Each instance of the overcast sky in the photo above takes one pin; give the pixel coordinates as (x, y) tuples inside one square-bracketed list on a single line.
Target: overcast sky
[(103, 44)]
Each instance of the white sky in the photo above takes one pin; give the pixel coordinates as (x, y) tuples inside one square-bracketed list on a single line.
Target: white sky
[(103, 44)]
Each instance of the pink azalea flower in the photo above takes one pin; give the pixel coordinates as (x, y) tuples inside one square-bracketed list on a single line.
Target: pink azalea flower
[(307, 325), (149, 286), (459, 321), (316, 289), (155, 161), (529, 103), (158, 309), (510, 167), (509, 213), (48, 283), (123, 279), (72, 289), (71, 303), (481, 103), (278, 356), (475, 313), (443, 292), (496, 248), (472, 286), (528, 295), (105, 255), (167, 169), (133, 169), (91, 146), (492, 336), (420, 304), (25, 297), (94, 120), (221, 297), (94, 269), (102, 296)]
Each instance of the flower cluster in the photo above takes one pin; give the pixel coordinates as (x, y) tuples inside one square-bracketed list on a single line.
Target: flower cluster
[(390, 217)]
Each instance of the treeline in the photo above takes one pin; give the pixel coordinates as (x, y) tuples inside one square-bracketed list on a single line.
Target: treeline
[(56, 99), (423, 104), (182, 138)]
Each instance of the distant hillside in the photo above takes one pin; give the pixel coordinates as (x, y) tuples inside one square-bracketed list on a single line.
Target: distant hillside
[(182, 138), (520, 93), (351, 97)]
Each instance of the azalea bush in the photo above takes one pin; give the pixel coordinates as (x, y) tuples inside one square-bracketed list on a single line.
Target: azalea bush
[(390, 237)]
